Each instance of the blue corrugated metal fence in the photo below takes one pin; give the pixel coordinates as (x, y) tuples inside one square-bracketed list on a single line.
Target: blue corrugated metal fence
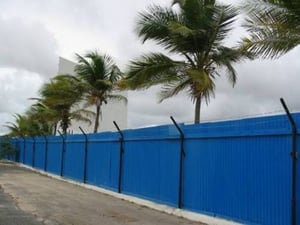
[(241, 170)]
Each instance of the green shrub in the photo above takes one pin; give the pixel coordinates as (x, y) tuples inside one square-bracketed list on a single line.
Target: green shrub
[(6, 148)]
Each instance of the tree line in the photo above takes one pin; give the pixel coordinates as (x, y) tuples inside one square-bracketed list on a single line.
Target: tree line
[(192, 33)]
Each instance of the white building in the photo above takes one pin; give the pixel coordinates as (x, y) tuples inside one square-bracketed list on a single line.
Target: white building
[(112, 111)]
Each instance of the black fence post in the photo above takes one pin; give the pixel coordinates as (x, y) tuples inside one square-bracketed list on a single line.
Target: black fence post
[(46, 153), (85, 155), (62, 154), (121, 153), (181, 158), (33, 153), (294, 155)]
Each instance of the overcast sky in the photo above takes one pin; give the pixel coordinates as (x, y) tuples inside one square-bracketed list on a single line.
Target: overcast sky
[(34, 33)]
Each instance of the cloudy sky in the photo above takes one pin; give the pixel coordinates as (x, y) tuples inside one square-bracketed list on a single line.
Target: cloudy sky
[(34, 33)]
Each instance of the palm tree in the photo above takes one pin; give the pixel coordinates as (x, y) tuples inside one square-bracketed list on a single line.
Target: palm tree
[(100, 75), (195, 32), (274, 27), (62, 95), (27, 125)]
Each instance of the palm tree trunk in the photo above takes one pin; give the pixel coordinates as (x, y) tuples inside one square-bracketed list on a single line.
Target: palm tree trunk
[(54, 129), (65, 121), (197, 109), (64, 126), (97, 118)]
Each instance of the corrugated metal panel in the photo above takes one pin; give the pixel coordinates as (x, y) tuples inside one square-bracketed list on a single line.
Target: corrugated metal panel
[(29, 151), (40, 150), (103, 161), (21, 150), (15, 144), (151, 167), (74, 158), (54, 155), (239, 178)]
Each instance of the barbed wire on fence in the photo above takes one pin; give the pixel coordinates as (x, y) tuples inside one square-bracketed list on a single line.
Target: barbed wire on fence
[(242, 116)]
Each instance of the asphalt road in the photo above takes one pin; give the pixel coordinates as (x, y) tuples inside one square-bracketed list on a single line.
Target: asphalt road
[(12, 215), (29, 198)]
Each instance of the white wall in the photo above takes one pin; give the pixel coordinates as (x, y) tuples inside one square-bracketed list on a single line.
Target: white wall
[(111, 111)]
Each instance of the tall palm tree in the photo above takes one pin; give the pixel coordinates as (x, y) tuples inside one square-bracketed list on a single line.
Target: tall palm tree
[(62, 95), (195, 32), (100, 74), (274, 27)]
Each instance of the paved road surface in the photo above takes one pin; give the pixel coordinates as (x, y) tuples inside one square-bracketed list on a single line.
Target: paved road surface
[(28, 198), (12, 215)]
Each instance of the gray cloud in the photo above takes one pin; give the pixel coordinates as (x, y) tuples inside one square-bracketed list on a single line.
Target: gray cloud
[(144, 109), (260, 85), (16, 87), (28, 58), (27, 46)]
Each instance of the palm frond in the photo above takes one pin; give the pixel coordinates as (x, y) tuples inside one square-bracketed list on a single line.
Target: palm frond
[(272, 43), (115, 74), (85, 112), (152, 69), (117, 97), (84, 69), (225, 57), (222, 23), (153, 23), (173, 88), (274, 28), (103, 85)]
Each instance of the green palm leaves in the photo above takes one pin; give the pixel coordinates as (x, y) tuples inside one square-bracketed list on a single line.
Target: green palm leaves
[(196, 33), (29, 125), (274, 27), (61, 98), (99, 74)]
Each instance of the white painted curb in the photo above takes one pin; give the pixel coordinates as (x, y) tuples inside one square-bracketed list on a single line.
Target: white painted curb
[(209, 220)]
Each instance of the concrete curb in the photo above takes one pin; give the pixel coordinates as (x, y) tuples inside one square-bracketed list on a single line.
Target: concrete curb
[(209, 220)]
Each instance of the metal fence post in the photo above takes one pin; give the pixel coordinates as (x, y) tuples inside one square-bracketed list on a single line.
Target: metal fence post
[(181, 158), (33, 152), (62, 154), (46, 153), (85, 155), (294, 155), (121, 153)]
